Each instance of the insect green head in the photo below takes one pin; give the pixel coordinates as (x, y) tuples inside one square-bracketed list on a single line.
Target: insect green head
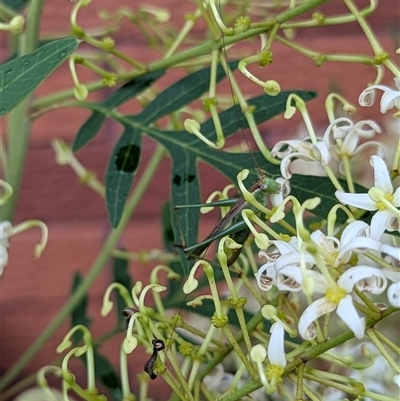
[(269, 185)]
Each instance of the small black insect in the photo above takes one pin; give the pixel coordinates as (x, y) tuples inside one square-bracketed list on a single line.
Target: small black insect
[(128, 312), (158, 345)]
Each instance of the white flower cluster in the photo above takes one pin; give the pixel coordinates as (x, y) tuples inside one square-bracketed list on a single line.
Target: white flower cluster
[(346, 269), (292, 269)]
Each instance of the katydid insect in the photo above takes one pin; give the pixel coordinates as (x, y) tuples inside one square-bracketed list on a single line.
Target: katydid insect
[(237, 228)]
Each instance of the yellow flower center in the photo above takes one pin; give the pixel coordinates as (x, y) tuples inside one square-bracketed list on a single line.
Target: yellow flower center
[(381, 205), (274, 374), (335, 294)]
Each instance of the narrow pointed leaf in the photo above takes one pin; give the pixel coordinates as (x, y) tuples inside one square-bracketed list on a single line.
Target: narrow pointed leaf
[(181, 93), (20, 76), (121, 275), (79, 314), (106, 374), (304, 187), (186, 150), (266, 107), (16, 5), (93, 124), (121, 171)]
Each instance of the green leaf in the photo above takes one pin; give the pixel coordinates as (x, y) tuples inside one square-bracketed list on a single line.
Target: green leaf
[(106, 374), (120, 271), (171, 99), (79, 314), (185, 150), (20, 76), (304, 187), (181, 93), (121, 171), (131, 89), (16, 5), (89, 129)]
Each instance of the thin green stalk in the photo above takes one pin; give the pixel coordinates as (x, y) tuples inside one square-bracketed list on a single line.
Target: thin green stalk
[(379, 346), (201, 50), (309, 354), (386, 341), (19, 124), (6, 13), (97, 267)]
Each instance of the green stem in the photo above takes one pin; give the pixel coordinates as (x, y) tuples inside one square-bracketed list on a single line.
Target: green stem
[(6, 13), (309, 354), (94, 271), (376, 47), (19, 123), (387, 342), (201, 50), (378, 344)]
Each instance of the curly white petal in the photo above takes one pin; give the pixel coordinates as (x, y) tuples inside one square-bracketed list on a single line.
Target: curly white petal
[(367, 97), (391, 274), (380, 149), (354, 229), (347, 312), (379, 223), (329, 244), (293, 146), (381, 174), (362, 201), (317, 309), (322, 153), (284, 247), (389, 100), (392, 251), (293, 258), (349, 144), (289, 278), (367, 133), (358, 244), (375, 278), (396, 380), (393, 294), (266, 276), (276, 349), (340, 131)]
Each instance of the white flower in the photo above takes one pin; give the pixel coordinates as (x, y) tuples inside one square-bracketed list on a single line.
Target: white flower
[(380, 197), (347, 135), (366, 278), (272, 376), (290, 270), (393, 292), (390, 97), (300, 149), (276, 349), (283, 267)]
